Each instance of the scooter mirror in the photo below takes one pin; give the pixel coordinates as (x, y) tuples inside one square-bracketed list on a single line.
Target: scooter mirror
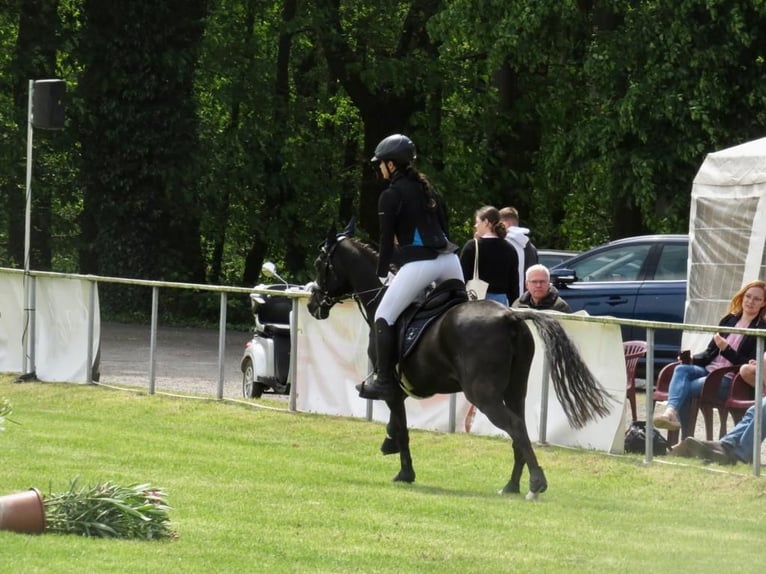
[(269, 269)]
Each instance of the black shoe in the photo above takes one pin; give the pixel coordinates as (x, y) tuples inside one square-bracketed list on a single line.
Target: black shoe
[(384, 387), (715, 451), (377, 391)]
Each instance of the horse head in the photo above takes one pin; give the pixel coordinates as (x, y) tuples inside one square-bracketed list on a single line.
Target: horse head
[(331, 284)]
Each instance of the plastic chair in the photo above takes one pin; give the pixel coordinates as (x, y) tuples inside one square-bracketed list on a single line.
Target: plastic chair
[(741, 397), (710, 399), (661, 394), (634, 350)]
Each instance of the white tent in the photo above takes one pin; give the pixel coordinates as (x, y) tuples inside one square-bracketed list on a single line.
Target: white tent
[(727, 233)]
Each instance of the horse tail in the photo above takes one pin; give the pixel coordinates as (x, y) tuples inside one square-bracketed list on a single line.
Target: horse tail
[(580, 394)]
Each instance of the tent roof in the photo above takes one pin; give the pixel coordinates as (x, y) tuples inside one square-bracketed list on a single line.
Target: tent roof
[(744, 164)]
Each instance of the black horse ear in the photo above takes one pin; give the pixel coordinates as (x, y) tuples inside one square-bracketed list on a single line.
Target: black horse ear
[(350, 228), (332, 238)]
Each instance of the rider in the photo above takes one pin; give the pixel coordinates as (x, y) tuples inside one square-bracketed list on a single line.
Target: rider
[(413, 237)]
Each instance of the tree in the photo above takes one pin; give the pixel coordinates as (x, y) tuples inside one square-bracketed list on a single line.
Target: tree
[(382, 55), (138, 130)]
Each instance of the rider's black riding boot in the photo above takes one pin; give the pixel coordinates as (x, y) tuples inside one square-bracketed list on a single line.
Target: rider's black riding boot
[(384, 386)]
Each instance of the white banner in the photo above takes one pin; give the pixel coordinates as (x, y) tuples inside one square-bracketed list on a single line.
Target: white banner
[(332, 359), (61, 327)]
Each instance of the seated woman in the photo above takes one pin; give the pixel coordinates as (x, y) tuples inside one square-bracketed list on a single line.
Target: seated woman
[(746, 310)]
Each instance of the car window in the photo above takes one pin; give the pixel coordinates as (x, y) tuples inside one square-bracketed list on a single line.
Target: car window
[(672, 263), (620, 263), (551, 261)]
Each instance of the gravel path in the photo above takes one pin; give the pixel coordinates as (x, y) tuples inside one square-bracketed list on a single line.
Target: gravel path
[(186, 359)]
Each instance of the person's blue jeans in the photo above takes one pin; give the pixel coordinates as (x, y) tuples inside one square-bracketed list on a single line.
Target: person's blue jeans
[(685, 384), (499, 297), (742, 435)]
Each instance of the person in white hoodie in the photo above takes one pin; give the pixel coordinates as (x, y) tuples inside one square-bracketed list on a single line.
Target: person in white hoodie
[(517, 237)]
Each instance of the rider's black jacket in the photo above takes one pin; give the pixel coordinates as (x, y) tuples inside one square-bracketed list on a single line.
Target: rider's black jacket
[(404, 215)]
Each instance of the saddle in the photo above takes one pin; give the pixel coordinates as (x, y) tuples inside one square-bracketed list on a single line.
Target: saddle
[(416, 318)]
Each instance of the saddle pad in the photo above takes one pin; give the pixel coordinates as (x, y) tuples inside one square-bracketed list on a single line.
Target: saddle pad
[(414, 321)]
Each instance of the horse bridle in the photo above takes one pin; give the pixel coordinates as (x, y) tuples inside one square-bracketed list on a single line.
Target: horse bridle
[(324, 299)]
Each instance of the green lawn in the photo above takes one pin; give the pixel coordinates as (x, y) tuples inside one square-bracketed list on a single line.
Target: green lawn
[(256, 490)]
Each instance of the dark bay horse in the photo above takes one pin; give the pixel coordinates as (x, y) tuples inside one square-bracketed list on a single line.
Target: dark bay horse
[(480, 348)]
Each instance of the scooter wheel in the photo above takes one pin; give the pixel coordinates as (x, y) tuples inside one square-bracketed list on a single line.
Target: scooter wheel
[(250, 389)]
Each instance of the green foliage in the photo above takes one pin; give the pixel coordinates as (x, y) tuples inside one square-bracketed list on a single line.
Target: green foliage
[(204, 138), (108, 510), (139, 137)]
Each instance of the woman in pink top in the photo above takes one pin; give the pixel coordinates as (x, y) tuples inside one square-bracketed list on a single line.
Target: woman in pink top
[(746, 310)]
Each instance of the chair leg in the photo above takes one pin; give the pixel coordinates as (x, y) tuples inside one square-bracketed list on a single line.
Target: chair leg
[(707, 414), (672, 437), (691, 420), (633, 412), (723, 415)]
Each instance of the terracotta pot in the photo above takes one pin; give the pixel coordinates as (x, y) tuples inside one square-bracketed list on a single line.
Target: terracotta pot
[(23, 512)]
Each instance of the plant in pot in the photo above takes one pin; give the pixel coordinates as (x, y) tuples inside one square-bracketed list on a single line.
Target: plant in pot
[(108, 510), (104, 510)]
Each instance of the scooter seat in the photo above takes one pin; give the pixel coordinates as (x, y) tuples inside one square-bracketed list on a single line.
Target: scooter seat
[(276, 329)]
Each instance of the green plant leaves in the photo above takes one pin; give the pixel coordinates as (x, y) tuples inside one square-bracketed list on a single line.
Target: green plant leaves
[(108, 510)]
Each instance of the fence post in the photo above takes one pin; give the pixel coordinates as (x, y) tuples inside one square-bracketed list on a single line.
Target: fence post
[(649, 448), (221, 345), (153, 339), (758, 407)]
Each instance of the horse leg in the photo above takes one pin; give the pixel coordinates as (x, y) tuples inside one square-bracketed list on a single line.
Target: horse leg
[(400, 438), (514, 398), (502, 417), (514, 484), (515, 395), (389, 445)]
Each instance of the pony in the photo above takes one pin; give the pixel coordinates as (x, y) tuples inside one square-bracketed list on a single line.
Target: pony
[(480, 348)]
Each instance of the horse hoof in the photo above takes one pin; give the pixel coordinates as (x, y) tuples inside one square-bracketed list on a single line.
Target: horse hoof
[(510, 488), (389, 446), (532, 495), (405, 477)]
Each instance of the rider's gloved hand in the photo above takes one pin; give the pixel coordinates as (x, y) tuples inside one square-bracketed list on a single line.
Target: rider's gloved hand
[(387, 279)]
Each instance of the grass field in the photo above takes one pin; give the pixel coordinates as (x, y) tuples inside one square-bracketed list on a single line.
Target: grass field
[(257, 490)]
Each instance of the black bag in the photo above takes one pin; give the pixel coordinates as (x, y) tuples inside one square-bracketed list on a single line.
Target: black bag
[(635, 439)]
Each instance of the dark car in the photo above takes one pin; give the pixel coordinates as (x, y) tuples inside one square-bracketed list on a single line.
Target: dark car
[(554, 257), (640, 277)]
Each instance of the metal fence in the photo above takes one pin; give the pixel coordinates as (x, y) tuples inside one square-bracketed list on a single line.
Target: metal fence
[(224, 291)]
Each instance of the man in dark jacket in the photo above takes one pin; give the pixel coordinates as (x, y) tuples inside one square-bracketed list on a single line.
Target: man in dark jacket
[(540, 294)]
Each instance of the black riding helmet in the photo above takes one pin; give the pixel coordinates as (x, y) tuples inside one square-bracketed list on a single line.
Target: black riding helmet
[(397, 148)]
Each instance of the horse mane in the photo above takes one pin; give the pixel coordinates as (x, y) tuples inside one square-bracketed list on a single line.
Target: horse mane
[(366, 250)]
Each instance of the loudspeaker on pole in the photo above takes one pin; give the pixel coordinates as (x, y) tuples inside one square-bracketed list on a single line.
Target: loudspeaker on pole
[(48, 104)]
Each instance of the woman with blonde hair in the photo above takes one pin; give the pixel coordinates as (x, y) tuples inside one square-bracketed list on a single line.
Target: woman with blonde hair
[(746, 310)]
